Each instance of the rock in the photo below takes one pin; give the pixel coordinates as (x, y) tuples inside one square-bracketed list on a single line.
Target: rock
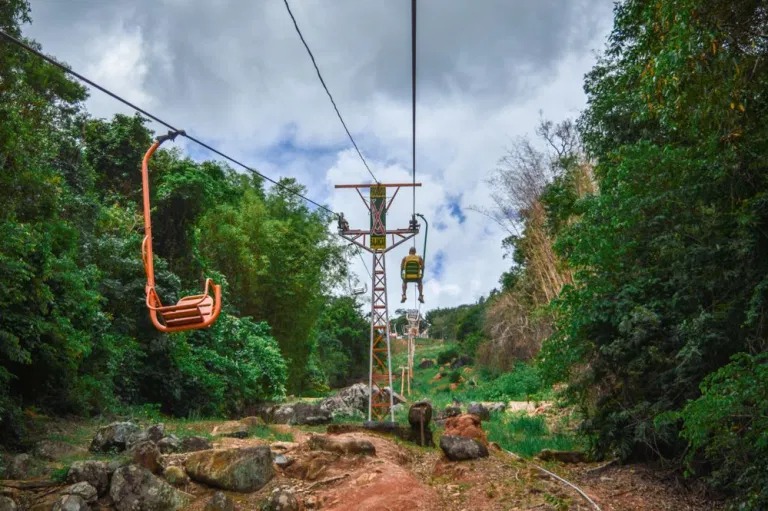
[(52, 451), (232, 429), (220, 502), (135, 488), (20, 467), (194, 443), (396, 398), (84, 490), (115, 437), (459, 448), (341, 445), (93, 472), (155, 432), (479, 410), (7, 504), (496, 407), (562, 456), (466, 425), (348, 401), (310, 415), (399, 407), (451, 411), (282, 461), (281, 499), (146, 454), (176, 476), (426, 363), (71, 503), (169, 444), (245, 469), (461, 361)]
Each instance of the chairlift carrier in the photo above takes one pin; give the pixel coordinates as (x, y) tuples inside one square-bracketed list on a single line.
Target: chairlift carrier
[(191, 312)]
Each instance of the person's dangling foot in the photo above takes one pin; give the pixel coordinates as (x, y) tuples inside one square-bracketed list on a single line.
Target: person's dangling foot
[(402, 300), (421, 298)]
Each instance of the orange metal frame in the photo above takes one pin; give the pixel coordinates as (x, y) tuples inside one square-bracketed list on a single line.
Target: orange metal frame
[(191, 312)]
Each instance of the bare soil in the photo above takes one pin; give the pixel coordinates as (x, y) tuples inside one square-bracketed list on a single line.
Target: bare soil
[(403, 476)]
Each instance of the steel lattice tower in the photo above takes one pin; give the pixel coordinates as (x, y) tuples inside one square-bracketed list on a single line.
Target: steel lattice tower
[(375, 240)]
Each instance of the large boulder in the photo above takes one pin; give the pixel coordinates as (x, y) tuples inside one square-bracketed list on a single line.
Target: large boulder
[(496, 407), (459, 448), (348, 401), (301, 414), (155, 432), (245, 469), (52, 450), (135, 488), (466, 425), (194, 443), (115, 437), (95, 473), (147, 455), (169, 444)]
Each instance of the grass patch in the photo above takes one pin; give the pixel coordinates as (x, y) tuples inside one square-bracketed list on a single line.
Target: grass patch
[(527, 436), (267, 433)]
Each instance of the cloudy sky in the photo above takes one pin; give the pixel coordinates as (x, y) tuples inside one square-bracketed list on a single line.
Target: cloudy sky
[(235, 74)]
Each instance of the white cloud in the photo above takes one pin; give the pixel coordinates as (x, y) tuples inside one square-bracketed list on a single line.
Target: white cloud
[(235, 74)]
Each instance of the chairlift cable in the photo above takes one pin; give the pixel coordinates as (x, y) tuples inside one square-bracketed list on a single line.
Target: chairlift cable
[(413, 103), (144, 112), (320, 76)]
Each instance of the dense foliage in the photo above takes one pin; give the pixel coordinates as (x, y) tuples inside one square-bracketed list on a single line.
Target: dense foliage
[(74, 332), (669, 253)]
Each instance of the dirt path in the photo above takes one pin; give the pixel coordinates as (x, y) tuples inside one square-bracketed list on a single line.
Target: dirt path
[(402, 476)]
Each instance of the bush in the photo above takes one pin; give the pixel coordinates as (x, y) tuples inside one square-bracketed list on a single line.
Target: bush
[(727, 427), (518, 384), (446, 356)]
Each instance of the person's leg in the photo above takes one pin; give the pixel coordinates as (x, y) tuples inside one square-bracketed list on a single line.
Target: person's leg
[(405, 288), (421, 292)]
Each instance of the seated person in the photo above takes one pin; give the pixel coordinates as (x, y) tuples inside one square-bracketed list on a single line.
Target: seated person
[(412, 270)]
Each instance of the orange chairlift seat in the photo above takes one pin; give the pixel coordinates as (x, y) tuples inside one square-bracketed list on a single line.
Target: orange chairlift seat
[(191, 312)]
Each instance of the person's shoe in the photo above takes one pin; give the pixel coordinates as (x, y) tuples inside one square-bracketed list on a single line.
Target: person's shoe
[(421, 298), (402, 300)]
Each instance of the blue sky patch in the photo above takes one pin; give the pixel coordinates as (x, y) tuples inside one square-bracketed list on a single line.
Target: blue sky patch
[(454, 208), (435, 265)]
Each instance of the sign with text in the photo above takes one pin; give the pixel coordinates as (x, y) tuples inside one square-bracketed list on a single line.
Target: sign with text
[(378, 217)]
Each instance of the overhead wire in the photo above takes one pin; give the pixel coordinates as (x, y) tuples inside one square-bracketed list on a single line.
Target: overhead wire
[(144, 112), (330, 96), (413, 102)]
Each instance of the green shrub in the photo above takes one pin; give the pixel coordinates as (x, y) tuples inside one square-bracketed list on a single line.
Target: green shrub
[(519, 384), (447, 356), (727, 427), (454, 376)]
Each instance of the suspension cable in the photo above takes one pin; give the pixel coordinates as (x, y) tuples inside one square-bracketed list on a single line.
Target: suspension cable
[(320, 76), (413, 100), (106, 91)]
